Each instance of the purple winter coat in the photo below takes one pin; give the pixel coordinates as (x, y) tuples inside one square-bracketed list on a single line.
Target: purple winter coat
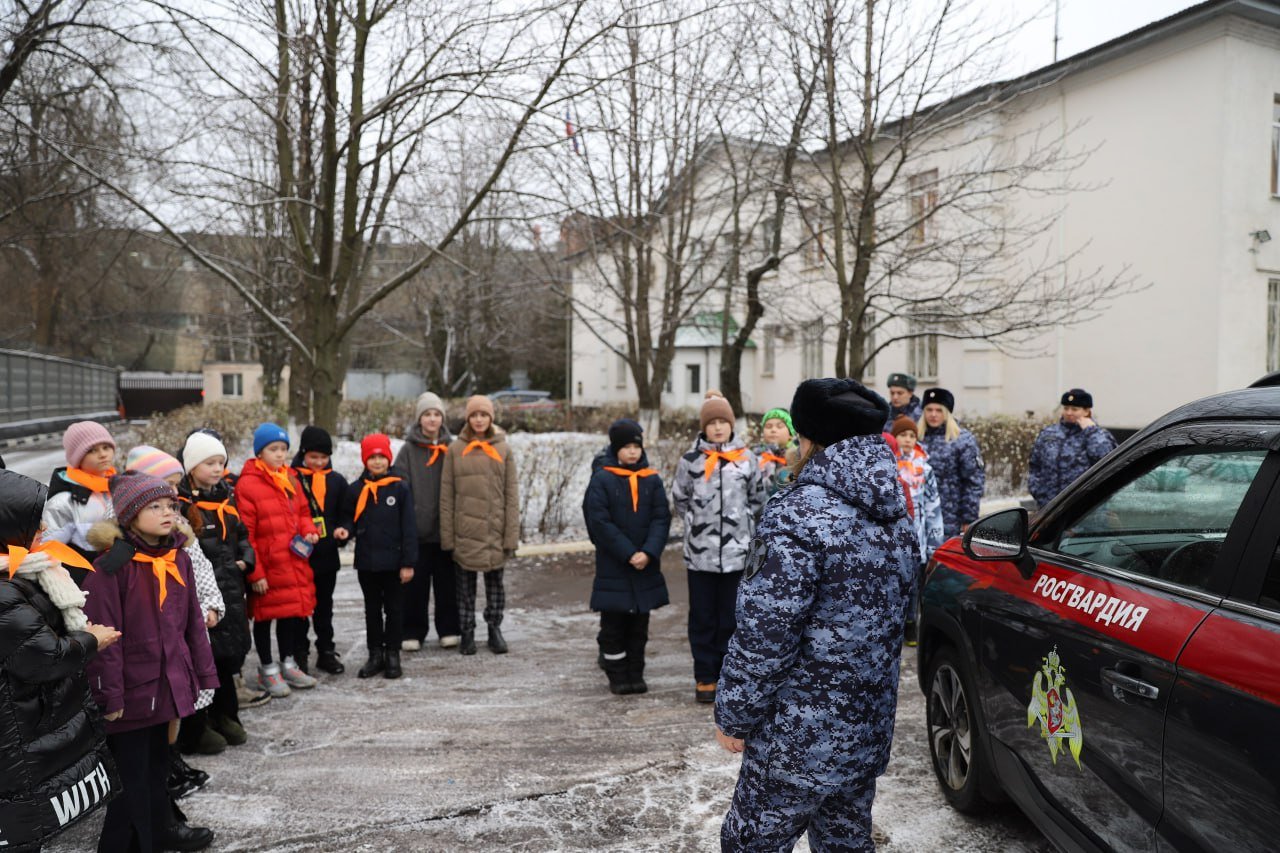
[(163, 657)]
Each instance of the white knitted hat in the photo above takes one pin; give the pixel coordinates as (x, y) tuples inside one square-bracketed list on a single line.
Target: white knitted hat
[(199, 447)]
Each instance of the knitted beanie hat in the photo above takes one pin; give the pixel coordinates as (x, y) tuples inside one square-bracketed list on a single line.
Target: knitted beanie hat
[(315, 439), (133, 490), (942, 397), (714, 407), (151, 460), (426, 402), (81, 437), (828, 411), (479, 403), (266, 434), (902, 424), (623, 432), (375, 444), (201, 446), (779, 414)]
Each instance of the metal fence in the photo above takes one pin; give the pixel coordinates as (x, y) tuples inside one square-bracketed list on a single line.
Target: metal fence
[(45, 388)]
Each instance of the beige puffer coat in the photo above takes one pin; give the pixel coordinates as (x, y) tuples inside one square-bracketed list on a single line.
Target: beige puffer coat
[(479, 504)]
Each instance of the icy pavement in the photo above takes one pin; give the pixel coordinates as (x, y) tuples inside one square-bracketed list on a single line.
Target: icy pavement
[(527, 751)]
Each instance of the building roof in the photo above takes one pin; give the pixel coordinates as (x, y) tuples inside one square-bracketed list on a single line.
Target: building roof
[(160, 380), (703, 330)]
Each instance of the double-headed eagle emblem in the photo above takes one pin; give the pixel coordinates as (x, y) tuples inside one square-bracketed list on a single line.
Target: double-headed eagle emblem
[(1053, 704)]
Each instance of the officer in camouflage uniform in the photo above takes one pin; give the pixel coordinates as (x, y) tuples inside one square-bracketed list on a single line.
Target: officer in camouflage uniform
[(810, 685), (1065, 450), (956, 460), (902, 399)]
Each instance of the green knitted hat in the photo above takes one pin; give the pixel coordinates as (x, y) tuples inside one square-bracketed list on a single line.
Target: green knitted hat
[(782, 415)]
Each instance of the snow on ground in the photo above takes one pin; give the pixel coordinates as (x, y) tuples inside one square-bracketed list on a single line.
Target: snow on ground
[(524, 752)]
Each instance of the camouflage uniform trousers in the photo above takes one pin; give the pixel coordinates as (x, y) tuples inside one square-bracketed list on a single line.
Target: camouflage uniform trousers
[(770, 814)]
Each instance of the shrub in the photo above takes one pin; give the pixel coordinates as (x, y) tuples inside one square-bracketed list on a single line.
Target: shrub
[(358, 418), (235, 422), (1006, 441)]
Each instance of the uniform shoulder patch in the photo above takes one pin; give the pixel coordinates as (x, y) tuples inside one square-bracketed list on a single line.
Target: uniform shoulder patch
[(756, 556)]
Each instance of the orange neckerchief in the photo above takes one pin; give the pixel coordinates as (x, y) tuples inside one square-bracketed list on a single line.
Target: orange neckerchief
[(319, 483), (634, 476), (64, 554), (163, 567), (92, 482), (714, 457), (486, 447), (280, 478), (767, 457), (371, 487), (223, 509), (436, 450)]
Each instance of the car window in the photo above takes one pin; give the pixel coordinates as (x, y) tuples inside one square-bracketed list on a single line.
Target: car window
[(1170, 521)]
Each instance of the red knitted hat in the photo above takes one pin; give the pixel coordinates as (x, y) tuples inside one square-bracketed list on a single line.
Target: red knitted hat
[(375, 444)]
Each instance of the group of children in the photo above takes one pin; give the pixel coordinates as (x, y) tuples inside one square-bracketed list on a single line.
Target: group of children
[(190, 567)]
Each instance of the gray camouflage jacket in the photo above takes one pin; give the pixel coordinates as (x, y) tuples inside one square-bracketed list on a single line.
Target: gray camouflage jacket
[(719, 508)]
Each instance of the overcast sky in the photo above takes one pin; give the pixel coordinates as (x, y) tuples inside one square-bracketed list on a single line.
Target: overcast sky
[(1085, 24)]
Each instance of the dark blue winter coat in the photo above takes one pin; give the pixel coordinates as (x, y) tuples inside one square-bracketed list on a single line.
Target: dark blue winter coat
[(619, 531), (962, 476), (325, 557), (1062, 453), (386, 533), (913, 409), (811, 677)]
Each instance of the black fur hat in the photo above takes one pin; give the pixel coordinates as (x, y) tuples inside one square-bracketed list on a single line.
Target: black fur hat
[(942, 397), (827, 411), (1077, 397)]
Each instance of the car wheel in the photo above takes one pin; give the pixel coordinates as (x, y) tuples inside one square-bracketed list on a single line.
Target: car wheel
[(954, 733)]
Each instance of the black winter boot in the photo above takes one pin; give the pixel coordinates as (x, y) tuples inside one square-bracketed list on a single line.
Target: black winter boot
[(376, 664), (497, 644), (468, 644), (393, 664), (328, 662)]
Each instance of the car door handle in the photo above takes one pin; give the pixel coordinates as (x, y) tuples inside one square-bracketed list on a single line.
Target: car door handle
[(1129, 684)]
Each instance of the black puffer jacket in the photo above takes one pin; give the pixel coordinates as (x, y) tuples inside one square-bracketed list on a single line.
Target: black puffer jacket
[(54, 764), (224, 540)]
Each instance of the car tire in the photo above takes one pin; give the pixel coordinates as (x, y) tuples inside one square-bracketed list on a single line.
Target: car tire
[(955, 733)]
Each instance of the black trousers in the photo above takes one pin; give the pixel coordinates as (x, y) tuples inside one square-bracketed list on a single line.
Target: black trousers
[(495, 598), (141, 812), (383, 609), (322, 619), (291, 634), (622, 639), (713, 600), (433, 569)]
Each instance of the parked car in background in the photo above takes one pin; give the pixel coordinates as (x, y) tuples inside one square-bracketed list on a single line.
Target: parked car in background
[(516, 400), (1112, 665)]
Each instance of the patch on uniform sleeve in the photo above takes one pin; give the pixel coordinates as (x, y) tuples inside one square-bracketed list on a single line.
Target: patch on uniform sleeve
[(755, 557)]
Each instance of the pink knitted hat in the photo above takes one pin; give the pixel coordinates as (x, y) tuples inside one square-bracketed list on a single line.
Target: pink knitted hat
[(81, 437)]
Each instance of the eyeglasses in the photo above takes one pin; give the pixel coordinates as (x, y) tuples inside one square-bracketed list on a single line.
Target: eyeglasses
[(160, 508)]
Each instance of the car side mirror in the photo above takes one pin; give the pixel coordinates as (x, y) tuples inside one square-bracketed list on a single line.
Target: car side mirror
[(1001, 537)]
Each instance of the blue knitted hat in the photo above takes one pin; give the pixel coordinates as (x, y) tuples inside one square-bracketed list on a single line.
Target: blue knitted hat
[(267, 433)]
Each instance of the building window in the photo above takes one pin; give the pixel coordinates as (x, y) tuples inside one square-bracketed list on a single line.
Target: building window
[(924, 201), (770, 355), (1273, 325), (695, 378), (669, 386), (815, 235), (811, 351), (1275, 145), (233, 384), (922, 353), (620, 368)]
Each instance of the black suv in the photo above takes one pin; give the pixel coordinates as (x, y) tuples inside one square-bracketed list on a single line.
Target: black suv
[(1112, 665)]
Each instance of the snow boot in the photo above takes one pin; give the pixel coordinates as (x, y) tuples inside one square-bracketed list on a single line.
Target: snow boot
[(295, 677), (183, 778), (468, 644), (209, 743), (230, 729), (377, 663), (179, 835), (497, 644), (705, 692), (328, 662), (393, 664)]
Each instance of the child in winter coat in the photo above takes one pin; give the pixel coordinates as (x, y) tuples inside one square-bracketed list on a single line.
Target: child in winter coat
[(378, 513), (719, 492), (143, 584), (55, 767), (78, 494), (480, 518), (211, 510), (281, 587), (810, 685), (778, 434), (422, 460), (325, 490), (628, 520), (924, 505)]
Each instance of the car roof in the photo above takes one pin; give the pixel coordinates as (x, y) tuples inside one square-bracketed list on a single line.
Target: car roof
[(1246, 404)]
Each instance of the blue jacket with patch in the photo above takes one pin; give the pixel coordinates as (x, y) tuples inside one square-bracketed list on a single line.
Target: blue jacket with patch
[(1062, 452), (811, 677), (962, 476), (386, 533), (619, 529)]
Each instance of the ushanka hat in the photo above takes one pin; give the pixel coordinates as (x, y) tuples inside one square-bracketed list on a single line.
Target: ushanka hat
[(901, 380), (827, 411), (942, 397), (1078, 397)]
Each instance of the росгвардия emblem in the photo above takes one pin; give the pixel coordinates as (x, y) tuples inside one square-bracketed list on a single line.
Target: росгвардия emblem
[(1055, 707)]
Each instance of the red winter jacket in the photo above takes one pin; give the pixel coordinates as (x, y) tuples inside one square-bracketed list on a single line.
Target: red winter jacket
[(273, 519)]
